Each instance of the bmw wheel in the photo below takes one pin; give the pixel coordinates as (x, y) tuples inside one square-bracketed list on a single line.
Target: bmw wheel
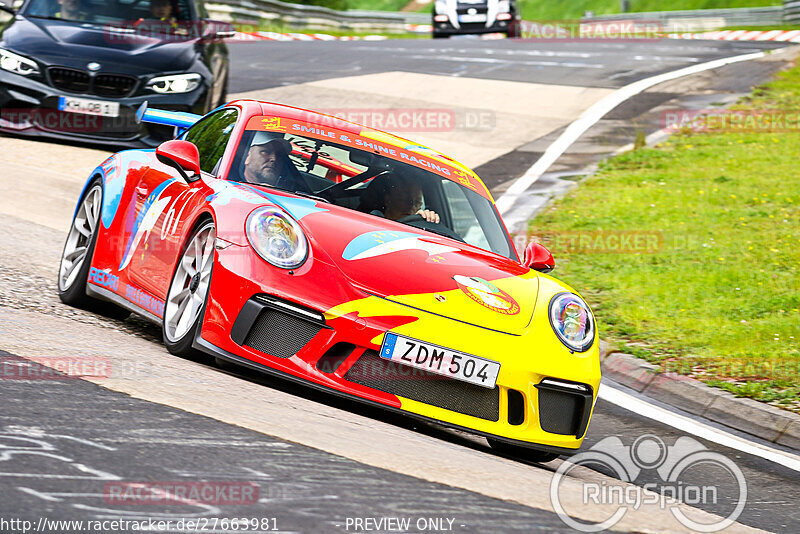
[(188, 291)]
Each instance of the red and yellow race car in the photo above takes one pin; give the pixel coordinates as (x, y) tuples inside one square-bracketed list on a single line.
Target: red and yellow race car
[(343, 257)]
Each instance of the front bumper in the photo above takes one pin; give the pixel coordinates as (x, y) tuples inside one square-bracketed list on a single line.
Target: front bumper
[(337, 351), (447, 28), (30, 107)]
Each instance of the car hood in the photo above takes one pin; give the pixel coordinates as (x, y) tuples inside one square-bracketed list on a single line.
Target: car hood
[(394, 261), (423, 270), (71, 44)]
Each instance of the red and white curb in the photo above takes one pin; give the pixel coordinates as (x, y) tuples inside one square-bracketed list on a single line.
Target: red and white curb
[(274, 36), (792, 36)]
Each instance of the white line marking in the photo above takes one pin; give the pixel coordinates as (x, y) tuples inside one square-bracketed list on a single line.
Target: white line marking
[(463, 59), (596, 112), (608, 393), (696, 428)]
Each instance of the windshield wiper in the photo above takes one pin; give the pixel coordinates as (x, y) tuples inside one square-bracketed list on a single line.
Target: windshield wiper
[(312, 196)]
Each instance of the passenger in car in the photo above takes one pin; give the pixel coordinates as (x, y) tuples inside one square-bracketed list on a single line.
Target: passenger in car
[(395, 197), (162, 10), (72, 10)]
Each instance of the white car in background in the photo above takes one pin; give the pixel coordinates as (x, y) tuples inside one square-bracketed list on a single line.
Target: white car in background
[(457, 17)]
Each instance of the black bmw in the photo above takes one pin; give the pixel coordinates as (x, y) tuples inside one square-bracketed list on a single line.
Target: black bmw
[(79, 69)]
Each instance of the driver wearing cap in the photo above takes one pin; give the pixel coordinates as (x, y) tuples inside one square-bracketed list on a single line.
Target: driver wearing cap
[(268, 164)]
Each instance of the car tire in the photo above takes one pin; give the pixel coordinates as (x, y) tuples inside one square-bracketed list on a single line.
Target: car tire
[(76, 257), (188, 291), (440, 35), (523, 453)]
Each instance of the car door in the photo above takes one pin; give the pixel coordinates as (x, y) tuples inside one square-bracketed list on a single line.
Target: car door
[(172, 205)]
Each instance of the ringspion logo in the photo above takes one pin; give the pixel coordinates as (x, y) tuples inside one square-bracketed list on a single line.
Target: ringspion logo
[(678, 467)]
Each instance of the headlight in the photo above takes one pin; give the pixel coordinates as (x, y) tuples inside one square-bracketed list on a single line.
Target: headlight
[(572, 321), (277, 238), (176, 83), (17, 64)]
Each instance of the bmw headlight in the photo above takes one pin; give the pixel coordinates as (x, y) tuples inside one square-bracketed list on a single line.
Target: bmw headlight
[(17, 64), (175, 83), (277, 238), (572, 321)]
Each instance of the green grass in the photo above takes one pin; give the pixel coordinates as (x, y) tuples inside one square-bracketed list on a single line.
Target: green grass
[(784, 27), (720, 299), (377, 5), (548, 10), (343, 5)]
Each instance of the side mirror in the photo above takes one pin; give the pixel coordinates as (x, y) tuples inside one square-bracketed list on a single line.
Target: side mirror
[(538, 258), (215, 29), (183, 156)]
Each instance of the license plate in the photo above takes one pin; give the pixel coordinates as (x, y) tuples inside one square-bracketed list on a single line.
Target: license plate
[(440, 360), (88, 107), (480, 17)]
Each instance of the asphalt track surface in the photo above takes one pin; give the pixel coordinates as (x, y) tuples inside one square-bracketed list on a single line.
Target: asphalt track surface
[(586, 64), (113, 436)]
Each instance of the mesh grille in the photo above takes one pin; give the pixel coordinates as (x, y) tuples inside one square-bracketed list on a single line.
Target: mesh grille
[(560, 412), (280, 334), (72, 80), (113, 85), (384, 375), (78, 81)]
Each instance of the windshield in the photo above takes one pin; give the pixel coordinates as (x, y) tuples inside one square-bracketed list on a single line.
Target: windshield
[(111, 11), (370, 183)]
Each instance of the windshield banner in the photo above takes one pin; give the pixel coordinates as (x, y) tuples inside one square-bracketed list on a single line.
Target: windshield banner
[(375, 142)]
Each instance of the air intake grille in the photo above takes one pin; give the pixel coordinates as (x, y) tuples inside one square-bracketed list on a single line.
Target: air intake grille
[(280, 334), (384, 375), (78, 81), (113, 85), (563, 412), (72, 80)]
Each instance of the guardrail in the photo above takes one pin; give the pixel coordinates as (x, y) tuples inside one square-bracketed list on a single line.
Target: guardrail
[(307, 16), (705, 19), (791, 11)]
